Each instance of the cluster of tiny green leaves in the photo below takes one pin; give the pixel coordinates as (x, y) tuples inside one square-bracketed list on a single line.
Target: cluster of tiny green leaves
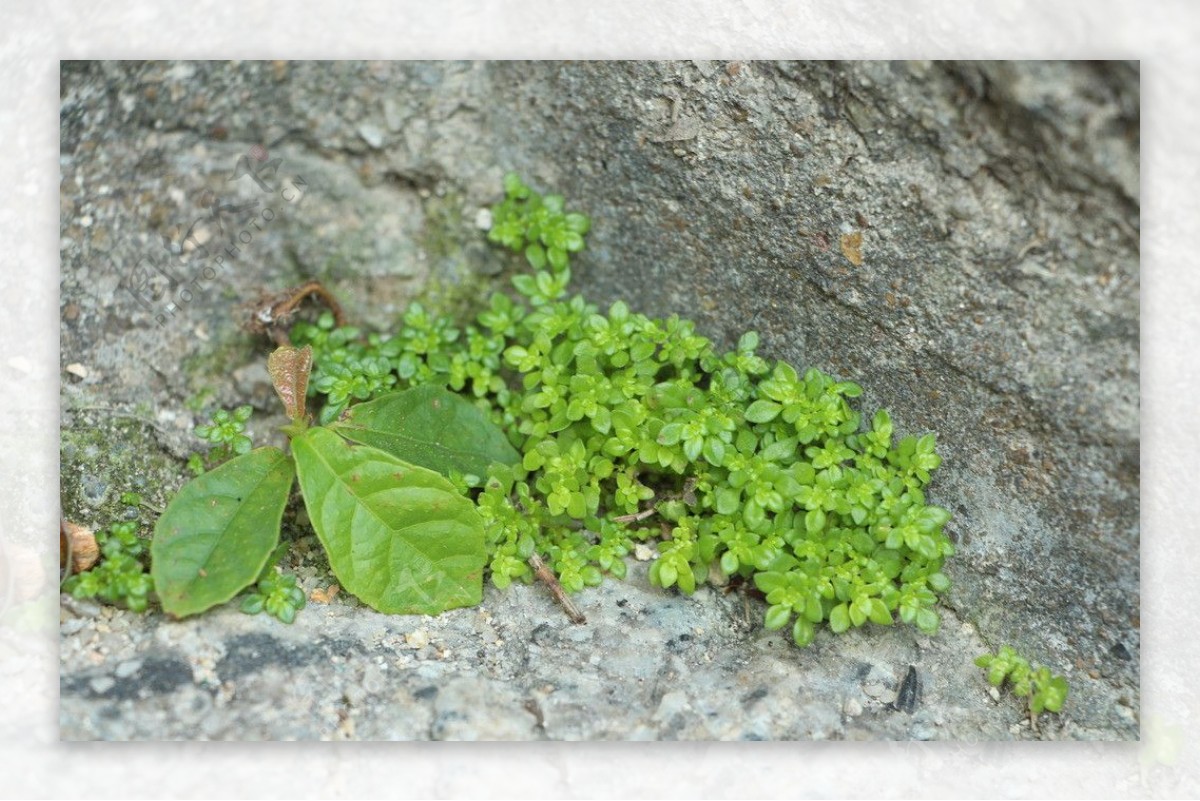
[(351, 366), (226, 432), (540, 227), (635, 429), (120, 577), (276, 594), (1044, 690)]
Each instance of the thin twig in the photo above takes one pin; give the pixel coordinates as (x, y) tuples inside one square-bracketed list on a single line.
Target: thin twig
[(546, 575), (286, 308), (634, 518), (270, 313)]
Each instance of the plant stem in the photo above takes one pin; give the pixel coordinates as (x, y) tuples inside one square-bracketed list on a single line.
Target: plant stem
[(634, 518), (546, 575)]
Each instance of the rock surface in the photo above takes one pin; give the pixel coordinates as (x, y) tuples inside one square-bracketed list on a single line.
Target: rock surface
[(960, 239)]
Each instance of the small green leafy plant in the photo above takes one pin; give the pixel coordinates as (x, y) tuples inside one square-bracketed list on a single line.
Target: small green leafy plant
[(551, 432), (1045, 691), (635, 430), (398, 535), (119, 577), (540, 227), (227, 433), (276, 594)]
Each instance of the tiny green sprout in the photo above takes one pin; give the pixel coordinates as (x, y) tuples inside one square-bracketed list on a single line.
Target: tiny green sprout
[(1045, 691), (539, 226), (276, 594), (195, 464), (225, 431), (120, 578)]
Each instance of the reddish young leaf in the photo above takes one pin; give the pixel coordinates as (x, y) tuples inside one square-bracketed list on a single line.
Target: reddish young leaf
[(289, 368)]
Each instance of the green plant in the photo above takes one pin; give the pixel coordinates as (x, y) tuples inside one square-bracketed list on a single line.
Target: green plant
[(120, 577), (276, 594), (538, 226), (218, 534), (635, 429), (226, 431), (578, 433), (1045, 691)]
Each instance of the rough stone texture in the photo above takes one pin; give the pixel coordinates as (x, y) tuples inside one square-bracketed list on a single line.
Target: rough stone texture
[(995, 302)]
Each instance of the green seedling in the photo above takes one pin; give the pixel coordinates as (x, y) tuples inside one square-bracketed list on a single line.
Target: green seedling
[(120, 576), (538, 226), (276, 594), (226, 432), (398, 535), (1045, 691)]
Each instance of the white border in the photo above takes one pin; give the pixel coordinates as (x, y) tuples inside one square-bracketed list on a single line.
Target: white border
[(1162, 34)]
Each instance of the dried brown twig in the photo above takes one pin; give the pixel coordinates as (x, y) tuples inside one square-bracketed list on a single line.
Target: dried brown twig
[(547, 576), (269, 313)]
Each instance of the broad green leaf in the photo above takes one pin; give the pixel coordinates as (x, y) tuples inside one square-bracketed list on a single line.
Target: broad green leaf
[(431, 427), (768, 581), (217, 534), (927, 621), (670, 433), (814, 612), (938, 582), (859, 609), (398, 536)]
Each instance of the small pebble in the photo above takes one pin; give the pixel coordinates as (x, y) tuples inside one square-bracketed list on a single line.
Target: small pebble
[(102, 684), (372, 134), (127, 669), (853, 708)]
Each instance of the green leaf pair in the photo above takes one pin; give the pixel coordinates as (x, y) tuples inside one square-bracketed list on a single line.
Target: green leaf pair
[(398, 534)]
